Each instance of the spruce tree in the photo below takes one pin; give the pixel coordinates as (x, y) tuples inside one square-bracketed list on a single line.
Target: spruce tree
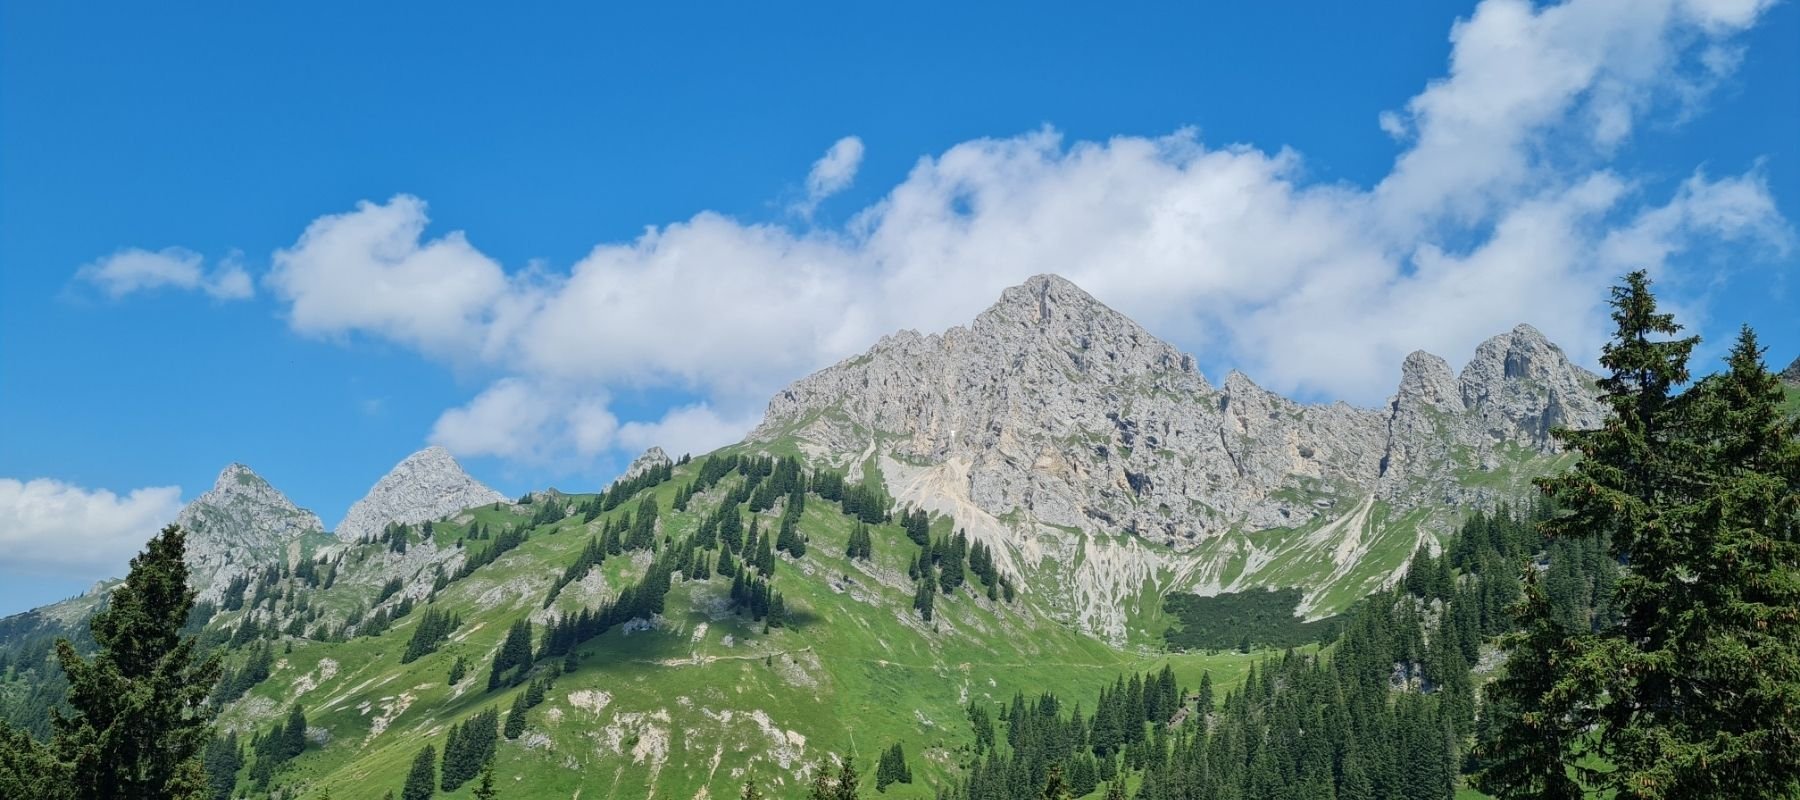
[(484, 787), (515, 717), (1534, 733), (1690, 689), (139, 715), (421, 782), (846, 786)]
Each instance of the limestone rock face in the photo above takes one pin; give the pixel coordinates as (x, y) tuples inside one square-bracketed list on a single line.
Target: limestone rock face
[(1068, 413), (426, 485), (653, 458), (1519, 387), (1792, 373), (241, 522)]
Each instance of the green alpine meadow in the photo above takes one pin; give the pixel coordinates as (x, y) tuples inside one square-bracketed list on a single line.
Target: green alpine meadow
[(900, 401)]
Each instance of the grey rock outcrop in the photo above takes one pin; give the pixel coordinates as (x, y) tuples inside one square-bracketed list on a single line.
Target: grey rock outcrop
[(1792, 373), (426, 485), (654, 458), (1070, 414), (239, 523)]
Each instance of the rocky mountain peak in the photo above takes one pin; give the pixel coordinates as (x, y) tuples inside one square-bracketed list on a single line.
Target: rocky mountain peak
[(651, 459), (1792, 373), (1521, 387), (242, 520), (1047, 313), (1428, 379), (426, 485)]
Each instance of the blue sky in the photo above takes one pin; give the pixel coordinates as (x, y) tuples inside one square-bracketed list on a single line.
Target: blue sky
[(186, 271)]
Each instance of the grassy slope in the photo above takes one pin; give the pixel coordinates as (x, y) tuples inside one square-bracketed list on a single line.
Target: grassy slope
[(706, 698)]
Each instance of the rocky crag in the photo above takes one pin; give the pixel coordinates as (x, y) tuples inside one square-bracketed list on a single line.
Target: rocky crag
[(654, 458), (240, 522), (1059, 428), (425, 486)]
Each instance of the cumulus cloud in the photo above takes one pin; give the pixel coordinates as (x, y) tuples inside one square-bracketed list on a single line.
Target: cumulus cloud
[(690, 429), (48, 527), (520, 420), (133, 270), (367, 270), (1501, 206), (832, 173)]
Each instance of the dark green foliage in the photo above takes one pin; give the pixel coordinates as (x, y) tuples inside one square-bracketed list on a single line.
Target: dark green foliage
[(1690, 677), (640, 600), (421, 782), (642, 535), (549, 512), (892, 768), (485, 784), (484, 787), (388, 590), (514, 656), (1524, 741), (515, 717), (1226, 621), (868, 502), (862, 545), (222, 759), (139, 718), (949, 554), (458, 669), (469, 749), (507, 539), (1383, 717), (433, 629), (924, 597), (917, 527), (623, 490), (27, 770), (233, 683), (276, 747)]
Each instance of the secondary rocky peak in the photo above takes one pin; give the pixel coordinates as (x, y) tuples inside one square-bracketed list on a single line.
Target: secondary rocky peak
[(1792, 373), (654, 458), (241, 522), (424, 486), (1522, 387), (1428, 379)]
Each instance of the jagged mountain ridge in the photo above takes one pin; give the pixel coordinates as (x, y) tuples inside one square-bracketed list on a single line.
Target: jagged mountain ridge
[(1072, 413), (1052, 416)]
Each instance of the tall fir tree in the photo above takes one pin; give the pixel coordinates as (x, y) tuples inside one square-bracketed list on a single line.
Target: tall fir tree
[(1690, 689), (421, 781), (139, 718), (1534, 733)]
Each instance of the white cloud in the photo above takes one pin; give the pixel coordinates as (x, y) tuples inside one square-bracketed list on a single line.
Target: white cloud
[(367, 271), (48, 527), (521, 420), (687, 429), (133, 270), (832, 173), (1500, 207)]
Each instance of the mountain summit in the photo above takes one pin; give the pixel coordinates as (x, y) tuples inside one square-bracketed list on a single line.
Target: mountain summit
[(240, 522), (1053, 414), (426, 485)]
